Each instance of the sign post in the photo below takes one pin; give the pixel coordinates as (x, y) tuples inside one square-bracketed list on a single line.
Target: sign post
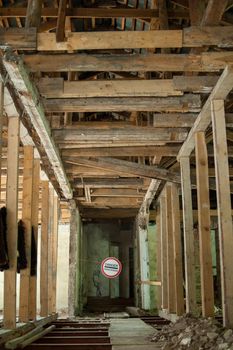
[(111, 267)]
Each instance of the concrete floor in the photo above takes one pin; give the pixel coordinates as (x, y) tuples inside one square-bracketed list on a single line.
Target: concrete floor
[(131, 334)]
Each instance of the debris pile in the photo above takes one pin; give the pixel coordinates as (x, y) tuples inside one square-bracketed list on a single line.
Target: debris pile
[(195, 334)]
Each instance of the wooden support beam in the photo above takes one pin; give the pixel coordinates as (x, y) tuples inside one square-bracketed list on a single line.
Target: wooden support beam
[(44, 250), (33, 16), (50, 250), (113, 135), (178, 256), (158, 257), (190, 285), (160, 151), (33, 111), (20, 38), (144, 260), (27, 221), (186, 103), (73, 256), (90, 12), (60, 30), (164, 275), (188, 37), (207, 291), (204, 62), (35, 219), (54, 252), (58, 88), (123, 166), (111, 183), (12, 224), (220, 91), (224, 208), (214, 12), (1, 126), (170, 252)]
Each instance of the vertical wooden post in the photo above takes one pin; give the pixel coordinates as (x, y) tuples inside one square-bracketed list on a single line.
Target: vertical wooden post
[(207, 290), (224, 208), (144, 264), (170, 251), (50, 250), (72, 258), (54, 251), (178, 264), (44, 249), (35, 213), (188, 236), (158, 256), (27, 220), (12, 226), (163, 251), (1, 125), (33, 17)]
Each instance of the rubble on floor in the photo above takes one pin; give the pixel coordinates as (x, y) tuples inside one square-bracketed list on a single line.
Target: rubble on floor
[(195, 334)]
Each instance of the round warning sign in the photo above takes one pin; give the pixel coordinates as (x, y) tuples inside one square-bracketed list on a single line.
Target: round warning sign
[(111, 267)]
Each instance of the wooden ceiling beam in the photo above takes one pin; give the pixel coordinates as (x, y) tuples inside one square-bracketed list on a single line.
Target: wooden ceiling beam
[(220, 91), (188, 37), (26, 95), (110, 183), (58, 88), (73, 135), (169, 151), (49, 12), (204, 62), (186, 103), (125, 167), (107, 213)]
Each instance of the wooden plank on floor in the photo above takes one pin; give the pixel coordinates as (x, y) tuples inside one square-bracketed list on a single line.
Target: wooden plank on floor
[(224, 208), (178, 255), (207, 292), (190, 281), (44, 250), (12, 225), (27, 222)]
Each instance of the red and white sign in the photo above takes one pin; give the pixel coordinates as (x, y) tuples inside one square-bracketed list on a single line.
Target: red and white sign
[(111, 267)]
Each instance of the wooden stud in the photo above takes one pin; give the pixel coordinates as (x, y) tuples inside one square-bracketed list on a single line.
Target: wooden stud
[(178, 261), (50, 249), (54, 252), (158, 257), (60, 30), (170, 251), (35, 218), (207, 291), (163, 252), (27, 221), (1, 124), (33, 16), (224, 208), (190, 285), (44, 250), (12, 225)]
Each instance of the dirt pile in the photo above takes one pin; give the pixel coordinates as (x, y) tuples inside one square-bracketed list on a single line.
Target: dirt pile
[(195, 334)]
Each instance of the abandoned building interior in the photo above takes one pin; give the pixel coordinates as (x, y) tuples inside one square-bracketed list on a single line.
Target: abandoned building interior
[(116, 124)]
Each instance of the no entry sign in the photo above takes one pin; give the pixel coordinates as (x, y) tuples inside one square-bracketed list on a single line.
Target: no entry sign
[(111, 267)]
